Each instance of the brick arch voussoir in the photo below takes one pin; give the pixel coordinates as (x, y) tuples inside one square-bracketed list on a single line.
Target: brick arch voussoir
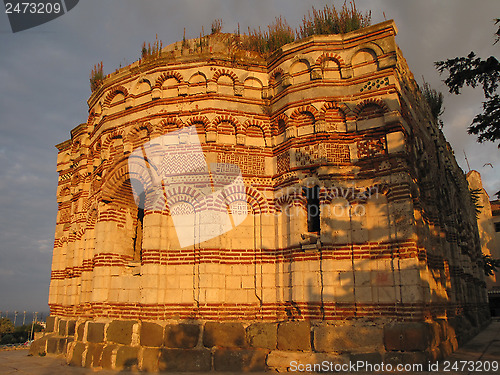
[(240, 129), (171, 74), (184, 194), (115, 91), (266, 130), (342, 107), (308, 108), (115, 134), (226, 72), (170, 123), (371, 101), (199, 120), (332, 57)]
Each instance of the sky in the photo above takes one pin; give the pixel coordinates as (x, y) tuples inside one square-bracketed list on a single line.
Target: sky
[(44, 87)]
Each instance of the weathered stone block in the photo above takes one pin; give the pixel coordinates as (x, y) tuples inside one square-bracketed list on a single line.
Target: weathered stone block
[(150, 359), (240, 360), (62, 327), (94, 353), (182, 335), (71, 327), (151, 334), (50, 324), (120, 332), (407, 336), (127, 358), (80, 330), (224, 335), (52, 345), (76, 356), (185, 360), (39, 346), (348, 338), (262, 335), (106, 357), (294, 336), (95, 332), (62, 345)]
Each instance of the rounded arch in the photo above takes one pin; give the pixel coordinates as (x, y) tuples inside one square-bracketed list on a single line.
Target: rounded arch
[(198, 77), (263, 126), (201, 122), (370, 47), (170, 74), (370, 108), (238, 128), (139, 132), (280, 124), (137, 87), (330, 56), (171, 124), (304, 116), (113, 92), (225, 72), (185, 194)]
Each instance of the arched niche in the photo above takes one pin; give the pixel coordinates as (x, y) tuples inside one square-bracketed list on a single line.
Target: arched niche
[(364, 61), (252, 88)]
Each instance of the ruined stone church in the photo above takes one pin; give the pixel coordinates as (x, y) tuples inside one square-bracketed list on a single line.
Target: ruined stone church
[(223, 210)]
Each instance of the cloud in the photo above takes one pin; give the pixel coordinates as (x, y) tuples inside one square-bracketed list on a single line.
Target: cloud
[(45, 86)]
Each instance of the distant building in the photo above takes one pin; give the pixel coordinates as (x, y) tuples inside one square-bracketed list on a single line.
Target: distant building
[(223, 210)]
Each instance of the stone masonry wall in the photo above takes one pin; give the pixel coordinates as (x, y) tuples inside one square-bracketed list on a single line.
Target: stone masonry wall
[(388, 269)]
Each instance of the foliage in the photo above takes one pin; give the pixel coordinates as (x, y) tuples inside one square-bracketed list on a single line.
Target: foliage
[(490, 264), (152, 50), (96, 77), (6, 326), (326, 21), (279, 33), (216, 26), (331, 21), (435, 100), (473, 71), (475, 197)]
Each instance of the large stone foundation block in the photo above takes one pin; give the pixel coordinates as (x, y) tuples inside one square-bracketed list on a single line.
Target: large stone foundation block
[(262, 335), (185, 360), (348, 338), (127, 358), (95, 332), (294, 336), (240, 360), (411, 336), (183, 336), (224, 335), (151, 334), (120, 332), (94, 354), (76, 355)]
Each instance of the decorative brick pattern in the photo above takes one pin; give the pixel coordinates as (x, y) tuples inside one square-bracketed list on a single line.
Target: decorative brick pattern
[(371, 147)]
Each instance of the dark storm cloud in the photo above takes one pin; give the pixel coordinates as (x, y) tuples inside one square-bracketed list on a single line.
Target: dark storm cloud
[(44, 88)]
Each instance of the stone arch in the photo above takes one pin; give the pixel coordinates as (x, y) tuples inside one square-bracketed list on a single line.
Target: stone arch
[(365, 59), (305, 116), (201, 122), (370, 108), (330, 56), (372, 48), (255, 134), (114, 92), (171, 124), (187, 194), (334, 116), (134, 134), (238, 129), (252, 88), (170, 74), (198, 83), (263, 126), (281, 123), (227, 73), (137, 86)]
